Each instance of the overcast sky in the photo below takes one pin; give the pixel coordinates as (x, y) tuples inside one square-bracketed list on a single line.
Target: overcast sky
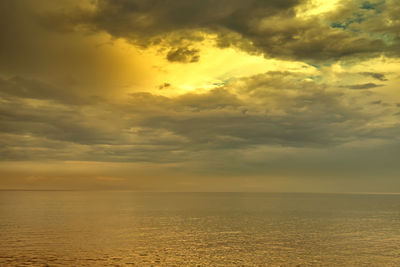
[(200, 95)]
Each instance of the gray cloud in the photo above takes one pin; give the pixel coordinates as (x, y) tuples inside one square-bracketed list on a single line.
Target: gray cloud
[(63, 95), (19, 87), (275, 124), (363, 86), (375, 75), (376, 102), (280, 110), (268, 27), (183, 55)]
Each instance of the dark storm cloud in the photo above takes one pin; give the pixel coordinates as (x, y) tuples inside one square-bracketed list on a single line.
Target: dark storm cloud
[(152, 18), (257, 26)]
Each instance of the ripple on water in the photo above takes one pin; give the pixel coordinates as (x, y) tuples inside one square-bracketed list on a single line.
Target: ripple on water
[(199, 229)]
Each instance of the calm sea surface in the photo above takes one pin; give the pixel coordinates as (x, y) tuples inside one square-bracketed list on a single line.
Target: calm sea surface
[(190, 229)]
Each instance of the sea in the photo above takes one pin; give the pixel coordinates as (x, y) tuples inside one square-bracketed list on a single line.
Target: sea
[(122, 228)]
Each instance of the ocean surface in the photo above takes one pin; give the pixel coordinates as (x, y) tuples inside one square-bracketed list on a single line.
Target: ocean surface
[(70, 228)]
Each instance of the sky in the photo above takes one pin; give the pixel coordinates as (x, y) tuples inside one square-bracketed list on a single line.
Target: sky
[(200, 95)]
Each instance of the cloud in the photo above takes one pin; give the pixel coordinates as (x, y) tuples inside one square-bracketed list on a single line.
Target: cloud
[(363, 86), (164, 85), (375, 75), (183, 55), (19, 87), (272, 28), (99, 83), (281, 109)]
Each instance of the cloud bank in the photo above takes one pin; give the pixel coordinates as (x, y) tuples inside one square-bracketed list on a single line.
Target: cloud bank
[(200, 95)]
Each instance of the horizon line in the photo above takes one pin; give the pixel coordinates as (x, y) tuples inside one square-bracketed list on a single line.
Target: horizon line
[(215, 192)]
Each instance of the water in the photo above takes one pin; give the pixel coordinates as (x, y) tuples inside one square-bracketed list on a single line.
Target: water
[(52, 228)]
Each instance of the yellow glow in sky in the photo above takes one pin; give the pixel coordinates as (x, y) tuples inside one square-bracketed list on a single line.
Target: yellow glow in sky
[(216, 67), (316, 7)]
